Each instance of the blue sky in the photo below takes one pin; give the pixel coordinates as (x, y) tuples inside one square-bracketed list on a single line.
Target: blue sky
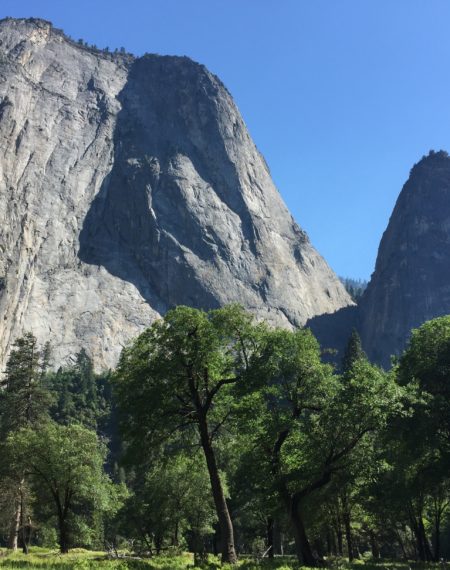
[(341, 96)]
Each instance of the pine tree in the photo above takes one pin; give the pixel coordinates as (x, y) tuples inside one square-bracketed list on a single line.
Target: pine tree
[(24, 403), (353, 352), (79, 394), (24, 399)]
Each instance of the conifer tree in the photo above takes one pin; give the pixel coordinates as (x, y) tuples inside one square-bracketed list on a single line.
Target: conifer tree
[(353, 352), (24, 403), (79, 394)]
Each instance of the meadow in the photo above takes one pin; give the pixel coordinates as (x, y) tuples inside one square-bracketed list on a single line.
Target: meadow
[(79, 559)]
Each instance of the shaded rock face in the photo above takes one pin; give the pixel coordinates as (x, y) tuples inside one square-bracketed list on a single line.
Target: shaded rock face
[(411, 281), (128, 186), (333, 331)]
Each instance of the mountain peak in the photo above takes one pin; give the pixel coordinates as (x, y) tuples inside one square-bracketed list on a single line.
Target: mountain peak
[(410, 284), (432, 160), (128, 189), (37, 22)]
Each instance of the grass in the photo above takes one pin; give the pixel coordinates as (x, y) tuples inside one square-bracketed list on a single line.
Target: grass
[(78, 559)]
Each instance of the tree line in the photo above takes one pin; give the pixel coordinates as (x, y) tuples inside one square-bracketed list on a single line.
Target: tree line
[(216, 433), (354, 287)]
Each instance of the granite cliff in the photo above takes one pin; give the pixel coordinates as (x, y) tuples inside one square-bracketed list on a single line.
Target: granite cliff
[(127, 186), (411, 281)]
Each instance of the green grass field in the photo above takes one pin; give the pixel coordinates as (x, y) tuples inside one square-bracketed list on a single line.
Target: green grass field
[(78, 559)]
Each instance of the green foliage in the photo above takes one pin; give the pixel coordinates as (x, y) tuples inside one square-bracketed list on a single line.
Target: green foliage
[(65, 465), (316, 419), (24, 400), (353, 353), (427, 362), (80, 395), (84, 560), (418, 445), (226, 421), (187, 359), (305, 425), (176, 380), (169, 506)]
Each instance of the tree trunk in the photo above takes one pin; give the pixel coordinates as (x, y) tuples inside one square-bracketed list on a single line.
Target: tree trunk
[(374, 545), (420, 546), (346, 517), (339, 538), (13, 541), (421, 541), (437, 543), (215, 540), (62, 512), (331, 545), (426, 544), (420, 550), (63, 536), (348, 536), (278, 540), (200, 553), (15, 527), (29, 532), (414, 543), (302, 546), (23, 526), (401, 544), (437, 532), (270, 537), (418, 528), (223, 514)]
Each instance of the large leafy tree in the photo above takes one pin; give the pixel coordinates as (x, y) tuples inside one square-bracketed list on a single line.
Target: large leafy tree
[(305, 423), (419, 449), (426, 361), (65, 466), (177, 378)]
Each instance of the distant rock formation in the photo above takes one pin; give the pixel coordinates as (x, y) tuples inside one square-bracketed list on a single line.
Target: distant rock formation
[(411, 281), (128, 186)]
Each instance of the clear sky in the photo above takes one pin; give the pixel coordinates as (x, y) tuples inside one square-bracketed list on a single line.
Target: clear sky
[(341, 96)]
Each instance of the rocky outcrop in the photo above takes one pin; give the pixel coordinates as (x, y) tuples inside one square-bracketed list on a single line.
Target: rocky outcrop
[(411, 281), (128, 186)]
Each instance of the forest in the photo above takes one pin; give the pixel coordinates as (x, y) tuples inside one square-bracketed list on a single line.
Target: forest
[(223, 437)]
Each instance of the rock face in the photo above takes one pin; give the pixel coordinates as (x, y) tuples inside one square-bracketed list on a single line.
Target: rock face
[(128, 186), (411, 281)]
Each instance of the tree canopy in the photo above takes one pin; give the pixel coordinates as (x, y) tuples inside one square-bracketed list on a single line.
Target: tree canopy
[(217, 433)]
